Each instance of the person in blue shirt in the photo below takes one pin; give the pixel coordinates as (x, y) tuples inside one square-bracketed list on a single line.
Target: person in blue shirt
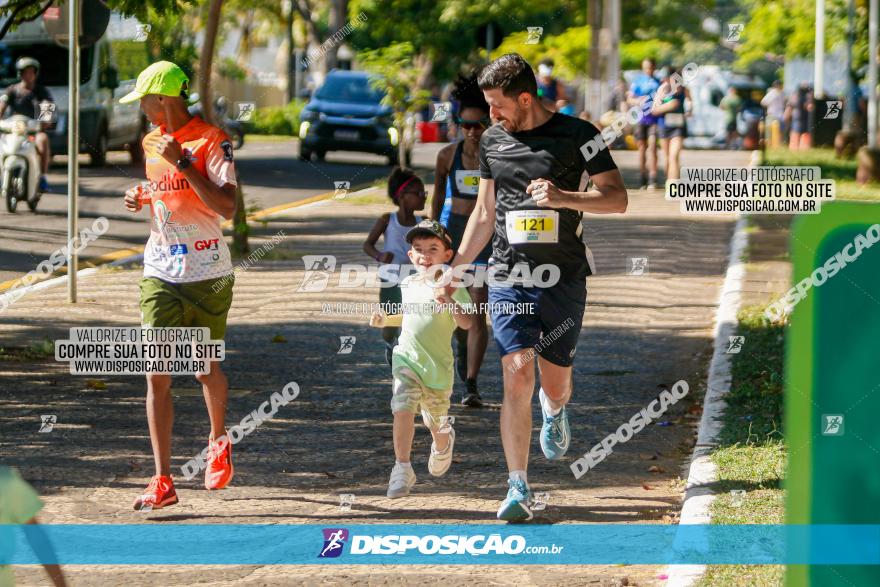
[(550, 89), (641, 94)]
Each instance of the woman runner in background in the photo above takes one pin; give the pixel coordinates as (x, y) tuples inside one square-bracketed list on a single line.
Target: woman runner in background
[(669, 105), (457, 177)]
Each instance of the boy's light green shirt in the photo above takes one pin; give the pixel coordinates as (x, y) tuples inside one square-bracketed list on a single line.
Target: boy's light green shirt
[(425, 342)]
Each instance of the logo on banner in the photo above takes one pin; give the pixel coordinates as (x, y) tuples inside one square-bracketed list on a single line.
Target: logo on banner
[(334, 540)]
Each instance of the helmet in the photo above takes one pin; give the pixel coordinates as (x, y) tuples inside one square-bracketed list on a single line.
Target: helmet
[(26, 62)]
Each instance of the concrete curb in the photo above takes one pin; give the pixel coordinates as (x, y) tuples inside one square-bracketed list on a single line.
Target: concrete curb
[(698, 495)]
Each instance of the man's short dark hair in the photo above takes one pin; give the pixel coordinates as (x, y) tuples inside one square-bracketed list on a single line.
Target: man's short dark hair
[(511, 74)]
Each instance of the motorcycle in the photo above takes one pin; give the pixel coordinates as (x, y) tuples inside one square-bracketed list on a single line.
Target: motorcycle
[(234, 128), (20, 162)]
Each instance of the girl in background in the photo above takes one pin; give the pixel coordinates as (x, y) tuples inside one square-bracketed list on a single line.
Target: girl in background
[(407, 192)]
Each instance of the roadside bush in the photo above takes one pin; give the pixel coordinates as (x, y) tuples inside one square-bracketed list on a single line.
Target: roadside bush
[(277, 120)]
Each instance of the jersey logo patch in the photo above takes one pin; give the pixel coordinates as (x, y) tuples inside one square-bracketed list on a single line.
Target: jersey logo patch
[(505, 147), (227, 150)]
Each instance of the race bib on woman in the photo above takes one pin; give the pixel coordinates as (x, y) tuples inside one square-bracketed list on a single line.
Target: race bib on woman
[(467, 181), (673, 120)]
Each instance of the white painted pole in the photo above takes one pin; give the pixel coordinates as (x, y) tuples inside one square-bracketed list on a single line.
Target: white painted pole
[(819, 83), (72, 146), (872, 73)]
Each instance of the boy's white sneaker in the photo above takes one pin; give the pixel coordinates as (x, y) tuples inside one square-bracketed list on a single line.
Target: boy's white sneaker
[(402, 480), (439, 462)]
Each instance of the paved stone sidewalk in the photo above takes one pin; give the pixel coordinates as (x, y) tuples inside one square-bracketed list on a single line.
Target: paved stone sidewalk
[(641, 333)]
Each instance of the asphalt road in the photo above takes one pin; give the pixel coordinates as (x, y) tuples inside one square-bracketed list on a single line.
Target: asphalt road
[(271, 172)]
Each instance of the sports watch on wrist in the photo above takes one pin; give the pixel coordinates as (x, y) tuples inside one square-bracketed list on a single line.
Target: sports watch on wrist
[(183, 162)]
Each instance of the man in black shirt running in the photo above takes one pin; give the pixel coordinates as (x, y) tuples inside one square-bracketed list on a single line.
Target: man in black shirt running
[(531, 198)]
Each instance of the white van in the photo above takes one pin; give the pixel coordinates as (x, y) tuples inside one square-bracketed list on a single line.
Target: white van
[(105, 124)]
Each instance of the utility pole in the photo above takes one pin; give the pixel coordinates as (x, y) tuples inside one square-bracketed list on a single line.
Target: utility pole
[(609, 43), (819, 66), (594, 89), (72, 147)]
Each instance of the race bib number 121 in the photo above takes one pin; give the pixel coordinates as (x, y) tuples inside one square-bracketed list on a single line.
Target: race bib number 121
[(532, 226)]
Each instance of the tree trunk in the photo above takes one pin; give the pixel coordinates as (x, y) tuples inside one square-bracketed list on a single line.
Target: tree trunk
[(244, 45), (292, 65), (206, 63), (335, 22), (309, 17), (240, 226), (869, 166), (426, 68)]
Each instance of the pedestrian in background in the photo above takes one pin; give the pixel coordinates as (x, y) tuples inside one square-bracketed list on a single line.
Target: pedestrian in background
[(800, 110), (550, 89), (774, 104), (407, 192), (669, 105), (731, 104), (641, 94)]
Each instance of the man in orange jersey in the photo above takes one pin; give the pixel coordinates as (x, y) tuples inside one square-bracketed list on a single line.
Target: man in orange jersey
[(187, 267)]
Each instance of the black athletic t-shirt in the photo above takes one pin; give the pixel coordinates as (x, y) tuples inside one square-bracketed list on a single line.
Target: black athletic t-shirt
[(19, 100), (551, 151)]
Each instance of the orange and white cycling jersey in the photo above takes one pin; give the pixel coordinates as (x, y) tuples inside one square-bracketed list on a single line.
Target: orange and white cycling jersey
[(186, 242)]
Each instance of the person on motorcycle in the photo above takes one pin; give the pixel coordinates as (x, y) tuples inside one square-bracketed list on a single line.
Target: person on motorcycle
[(30, 99)]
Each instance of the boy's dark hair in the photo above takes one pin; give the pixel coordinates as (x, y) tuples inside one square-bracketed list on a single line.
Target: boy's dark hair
[(398, 177), (446, 245), (468, 93), (511, 74)]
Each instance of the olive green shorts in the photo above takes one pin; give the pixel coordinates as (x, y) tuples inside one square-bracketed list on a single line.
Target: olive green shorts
[(196, 304)]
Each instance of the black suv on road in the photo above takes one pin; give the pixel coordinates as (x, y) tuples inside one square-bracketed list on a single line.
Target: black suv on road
[(346, 114)]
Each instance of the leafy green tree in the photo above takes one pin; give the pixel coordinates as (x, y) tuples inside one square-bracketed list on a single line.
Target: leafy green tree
[(172, 38), (396, 76), (446, 34), (671, 21), (569, 50), (778, 29), (16, 12)]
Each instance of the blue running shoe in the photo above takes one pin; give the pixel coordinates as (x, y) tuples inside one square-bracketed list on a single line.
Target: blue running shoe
[(516, 508), (44, 184), (555, 434)]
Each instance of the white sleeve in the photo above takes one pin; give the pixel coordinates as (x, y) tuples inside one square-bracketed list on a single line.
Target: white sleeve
[(219, 164)]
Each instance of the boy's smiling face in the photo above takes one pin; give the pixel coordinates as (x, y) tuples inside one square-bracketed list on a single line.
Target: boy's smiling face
[(427, 251)]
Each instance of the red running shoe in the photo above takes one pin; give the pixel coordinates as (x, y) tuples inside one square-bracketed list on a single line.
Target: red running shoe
[(159, 493), (219, 472)]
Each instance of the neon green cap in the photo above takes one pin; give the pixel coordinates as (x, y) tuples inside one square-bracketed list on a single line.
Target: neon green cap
[(163, 78)]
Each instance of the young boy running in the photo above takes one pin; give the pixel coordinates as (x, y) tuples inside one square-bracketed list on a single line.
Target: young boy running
[(422, 360), (191, 187)]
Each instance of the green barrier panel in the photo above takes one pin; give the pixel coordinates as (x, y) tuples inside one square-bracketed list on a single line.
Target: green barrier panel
[(832, 384)]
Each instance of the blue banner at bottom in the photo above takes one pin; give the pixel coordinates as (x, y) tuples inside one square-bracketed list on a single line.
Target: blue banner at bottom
[(560, 544)]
